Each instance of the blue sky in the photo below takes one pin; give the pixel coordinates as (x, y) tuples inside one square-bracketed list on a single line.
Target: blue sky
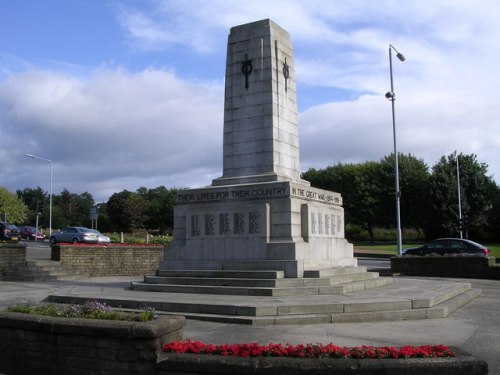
[(124, 94)]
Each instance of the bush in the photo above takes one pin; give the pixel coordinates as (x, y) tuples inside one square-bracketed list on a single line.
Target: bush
[(355, 233), (143, 238)]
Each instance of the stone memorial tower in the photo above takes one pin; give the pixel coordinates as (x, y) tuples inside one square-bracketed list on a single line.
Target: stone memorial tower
[(259, 215)]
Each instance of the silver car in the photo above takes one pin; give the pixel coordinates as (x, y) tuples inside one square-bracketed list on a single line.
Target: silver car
[(75, 235), (101, 238)]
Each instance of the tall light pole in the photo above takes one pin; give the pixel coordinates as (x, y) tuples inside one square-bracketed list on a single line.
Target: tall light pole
[(460, 223), (50, 193), (392, 97)]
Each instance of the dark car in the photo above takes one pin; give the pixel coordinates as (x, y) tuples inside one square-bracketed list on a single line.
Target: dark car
[(74, 235), (449, 246), (30, 233), (9, 232)]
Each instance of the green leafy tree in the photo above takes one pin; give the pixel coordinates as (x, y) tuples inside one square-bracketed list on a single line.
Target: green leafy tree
[(127, 211), (413, 187), (12, 208), (368, 191), (75, 208), (160, 210), (477, 192), (493, 227), (37, 201)]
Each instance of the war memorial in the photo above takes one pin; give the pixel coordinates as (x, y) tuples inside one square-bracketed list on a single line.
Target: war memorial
[(259, 230), (259, 214)]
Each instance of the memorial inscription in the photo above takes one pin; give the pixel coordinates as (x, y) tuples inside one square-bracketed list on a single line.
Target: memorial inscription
[(240, 221), (279, 190)]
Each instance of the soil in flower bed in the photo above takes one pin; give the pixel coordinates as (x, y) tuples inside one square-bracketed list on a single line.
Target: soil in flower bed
[(309, 350)]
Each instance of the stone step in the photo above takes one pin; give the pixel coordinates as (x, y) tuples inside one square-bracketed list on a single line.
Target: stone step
[(441, 310), (337, 271), (223, 273), (236, 282), (326, 289), (224, 290), (342, 312), (348, 278)]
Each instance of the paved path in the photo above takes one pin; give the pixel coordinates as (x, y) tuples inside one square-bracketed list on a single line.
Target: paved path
[(474, 327)]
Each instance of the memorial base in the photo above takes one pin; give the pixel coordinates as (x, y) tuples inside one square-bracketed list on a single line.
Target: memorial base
[(285, 226)]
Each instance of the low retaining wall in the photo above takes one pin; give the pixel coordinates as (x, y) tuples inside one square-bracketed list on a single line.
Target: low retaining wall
[(119, 260), (12, 258), (31, 344), (194, 364), (446, 266)]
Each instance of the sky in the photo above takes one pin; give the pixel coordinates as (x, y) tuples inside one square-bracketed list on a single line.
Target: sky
[(123, 94)]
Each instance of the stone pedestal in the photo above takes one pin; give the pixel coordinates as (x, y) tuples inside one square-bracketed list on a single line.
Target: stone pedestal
[(274, 226), (259, 215)]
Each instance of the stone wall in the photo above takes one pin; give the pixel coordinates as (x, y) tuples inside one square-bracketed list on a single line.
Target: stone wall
[(12, 258), (193, 364), (446, 266), (31, 344), (122, 260)]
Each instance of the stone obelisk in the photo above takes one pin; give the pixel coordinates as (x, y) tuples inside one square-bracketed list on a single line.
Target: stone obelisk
[(261, 135), (259, 214)]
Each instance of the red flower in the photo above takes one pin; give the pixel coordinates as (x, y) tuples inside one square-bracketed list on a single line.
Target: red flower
[(308, 350)]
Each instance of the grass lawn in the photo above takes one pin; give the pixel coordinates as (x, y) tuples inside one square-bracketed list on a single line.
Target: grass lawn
[(391, 249)]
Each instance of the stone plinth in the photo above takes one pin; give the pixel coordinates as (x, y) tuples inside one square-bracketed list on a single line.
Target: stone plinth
[(280, 225)]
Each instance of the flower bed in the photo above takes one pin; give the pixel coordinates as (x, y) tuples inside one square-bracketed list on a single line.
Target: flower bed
[(195, 358), (309, 350), (88, 310)]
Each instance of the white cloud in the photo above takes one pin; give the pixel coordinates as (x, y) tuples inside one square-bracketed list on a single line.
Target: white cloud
[(113, 129), (117, 127)]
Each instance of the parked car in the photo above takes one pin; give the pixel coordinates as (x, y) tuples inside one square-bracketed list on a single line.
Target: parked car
[(101, 238), (449, 246), (30, 233), (9, 232), (74, 235)]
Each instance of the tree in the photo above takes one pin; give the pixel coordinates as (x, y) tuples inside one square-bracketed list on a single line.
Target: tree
[(12, 208), (413, 187), (476, 192), (493, 227), (37, 202), (127, 211), (75, 208), (160, 210)]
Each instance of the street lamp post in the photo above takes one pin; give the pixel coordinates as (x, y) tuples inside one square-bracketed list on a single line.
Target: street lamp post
[(50, 193), (392, 97), (460, 222)]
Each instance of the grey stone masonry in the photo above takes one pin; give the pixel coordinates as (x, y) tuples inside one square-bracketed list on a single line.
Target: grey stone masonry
[(259, 215), (261, 137)]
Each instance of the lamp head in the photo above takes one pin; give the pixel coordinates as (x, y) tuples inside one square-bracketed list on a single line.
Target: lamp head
[(400, 56), (389, 95)]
